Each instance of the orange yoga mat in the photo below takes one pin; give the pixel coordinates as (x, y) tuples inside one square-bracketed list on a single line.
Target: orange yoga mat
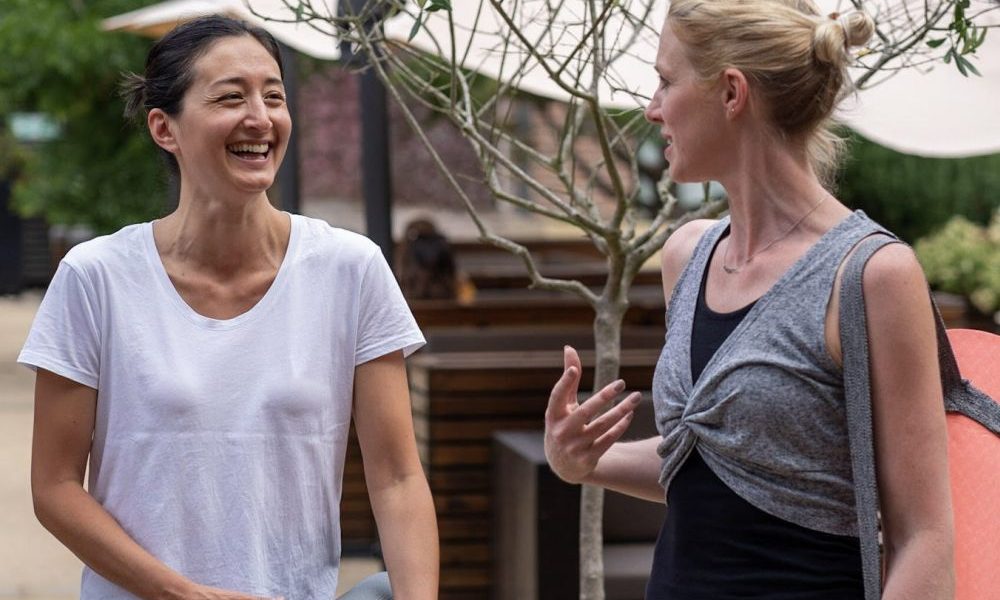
[(974, 459)]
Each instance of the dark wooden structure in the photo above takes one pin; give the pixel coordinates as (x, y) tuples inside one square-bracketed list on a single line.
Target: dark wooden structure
[(536, 525), (460, 400)]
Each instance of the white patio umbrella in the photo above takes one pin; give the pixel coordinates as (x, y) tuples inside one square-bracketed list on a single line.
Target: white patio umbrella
[(935, 111), (929, 111), (316, 38)]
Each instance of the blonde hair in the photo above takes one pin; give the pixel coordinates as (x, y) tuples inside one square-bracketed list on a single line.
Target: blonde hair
[(795, 59)]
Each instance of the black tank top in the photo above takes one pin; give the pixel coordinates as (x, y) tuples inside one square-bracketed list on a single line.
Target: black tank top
[(714, 545)]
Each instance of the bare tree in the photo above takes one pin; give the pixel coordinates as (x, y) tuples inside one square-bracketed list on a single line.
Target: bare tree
[(577, 47)]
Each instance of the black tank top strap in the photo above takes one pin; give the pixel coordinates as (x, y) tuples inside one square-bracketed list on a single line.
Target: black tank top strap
[(712, 327)]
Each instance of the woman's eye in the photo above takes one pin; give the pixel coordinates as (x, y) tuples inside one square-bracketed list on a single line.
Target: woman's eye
[(275, 97), (230, 97)]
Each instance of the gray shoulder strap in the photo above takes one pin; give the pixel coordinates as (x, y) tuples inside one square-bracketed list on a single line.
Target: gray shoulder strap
[(959, 396), (857, 391)]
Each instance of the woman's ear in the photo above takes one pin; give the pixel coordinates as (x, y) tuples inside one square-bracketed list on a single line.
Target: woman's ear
[(161, 130), (735, 91)]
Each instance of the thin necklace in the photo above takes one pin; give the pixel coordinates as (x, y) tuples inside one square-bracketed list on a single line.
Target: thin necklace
[(725, 256)]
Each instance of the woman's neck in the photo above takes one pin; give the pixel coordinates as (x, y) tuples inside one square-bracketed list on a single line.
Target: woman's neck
[(224, 237), (774, 193)]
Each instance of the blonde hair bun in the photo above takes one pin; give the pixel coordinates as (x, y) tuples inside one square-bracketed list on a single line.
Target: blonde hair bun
[(836, 34)]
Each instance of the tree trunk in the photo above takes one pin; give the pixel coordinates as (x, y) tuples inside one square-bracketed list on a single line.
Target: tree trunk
[(607, 344)]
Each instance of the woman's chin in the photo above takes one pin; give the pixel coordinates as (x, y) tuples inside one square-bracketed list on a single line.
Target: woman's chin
[(255, 185)]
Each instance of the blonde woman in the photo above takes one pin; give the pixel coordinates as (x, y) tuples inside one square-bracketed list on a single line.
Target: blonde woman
[(753, 458)]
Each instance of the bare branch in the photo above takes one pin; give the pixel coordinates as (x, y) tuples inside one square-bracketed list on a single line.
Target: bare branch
[(553, 76), (710, 210), (539, 281)]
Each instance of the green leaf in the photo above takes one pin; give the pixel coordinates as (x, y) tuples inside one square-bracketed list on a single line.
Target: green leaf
[(981, 37), (948, 55), (964, 65), (936, 43), (960, 63), (437, 5), (416, 26)]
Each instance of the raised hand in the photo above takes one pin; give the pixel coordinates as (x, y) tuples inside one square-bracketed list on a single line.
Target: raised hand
[(577, 435)]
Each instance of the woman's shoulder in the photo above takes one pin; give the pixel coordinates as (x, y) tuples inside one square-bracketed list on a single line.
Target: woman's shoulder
[(121, 246), (679, 248), (325, 248), (321, 236)]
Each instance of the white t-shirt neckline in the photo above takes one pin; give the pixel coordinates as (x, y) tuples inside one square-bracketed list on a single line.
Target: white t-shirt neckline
[(175, 299)]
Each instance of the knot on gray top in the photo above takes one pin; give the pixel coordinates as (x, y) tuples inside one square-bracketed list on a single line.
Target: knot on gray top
[(767, 413)]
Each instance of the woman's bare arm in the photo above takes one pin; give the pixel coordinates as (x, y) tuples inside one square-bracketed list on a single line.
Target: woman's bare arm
[(582, 447), (400, 496), (910, 434)]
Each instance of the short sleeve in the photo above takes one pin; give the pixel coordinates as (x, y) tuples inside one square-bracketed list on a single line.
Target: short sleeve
[(65, 335), (385, 323)]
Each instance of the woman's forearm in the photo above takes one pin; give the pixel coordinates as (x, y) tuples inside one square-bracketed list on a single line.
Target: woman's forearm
[(77, 520), (408, 531), (631, 468), (922, 567)]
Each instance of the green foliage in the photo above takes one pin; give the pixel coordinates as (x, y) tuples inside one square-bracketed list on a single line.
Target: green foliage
[(965, 38), (11, 157), (427, 7), (964, 258), (101, 171), (912, 195)]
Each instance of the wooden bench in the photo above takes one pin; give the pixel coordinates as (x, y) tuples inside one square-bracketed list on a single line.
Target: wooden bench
[(505, 308)]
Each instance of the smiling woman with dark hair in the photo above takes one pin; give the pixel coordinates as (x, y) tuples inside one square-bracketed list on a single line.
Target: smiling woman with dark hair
[(208, 364)]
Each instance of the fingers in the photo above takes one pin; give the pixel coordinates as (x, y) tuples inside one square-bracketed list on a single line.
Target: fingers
[(597, 403), (565, 390), (624, 410), (571, 358), (617, 430)]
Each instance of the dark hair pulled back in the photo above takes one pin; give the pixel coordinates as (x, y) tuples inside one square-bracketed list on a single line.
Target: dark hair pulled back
[(169, 68)]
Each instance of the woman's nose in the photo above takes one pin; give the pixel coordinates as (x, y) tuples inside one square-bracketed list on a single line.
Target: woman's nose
[(257, 116), (652, 111)]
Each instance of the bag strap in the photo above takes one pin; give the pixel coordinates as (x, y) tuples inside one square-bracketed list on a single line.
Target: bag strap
[(857, 391), (959, 396)]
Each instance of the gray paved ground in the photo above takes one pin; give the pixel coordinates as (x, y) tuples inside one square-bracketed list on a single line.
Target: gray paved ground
[(33, 565)]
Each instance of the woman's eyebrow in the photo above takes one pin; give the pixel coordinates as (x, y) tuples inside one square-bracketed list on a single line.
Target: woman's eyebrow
[(243, 80)]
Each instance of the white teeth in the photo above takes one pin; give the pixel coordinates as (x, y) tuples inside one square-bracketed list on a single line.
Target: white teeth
[(255, 148)]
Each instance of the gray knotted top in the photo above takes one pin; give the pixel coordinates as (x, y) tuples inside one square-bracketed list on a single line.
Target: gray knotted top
[(768, 412)]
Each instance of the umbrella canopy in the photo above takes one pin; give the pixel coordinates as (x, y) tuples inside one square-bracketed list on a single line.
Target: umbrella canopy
[(316, 38), (930, 111), (935, 111), (483, 38)]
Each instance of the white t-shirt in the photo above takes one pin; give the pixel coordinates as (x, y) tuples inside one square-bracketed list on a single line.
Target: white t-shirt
[(219, 444)]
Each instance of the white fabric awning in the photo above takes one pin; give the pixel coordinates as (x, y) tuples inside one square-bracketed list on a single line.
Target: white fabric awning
[(936, 111), (930, 112), (315, 38)]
